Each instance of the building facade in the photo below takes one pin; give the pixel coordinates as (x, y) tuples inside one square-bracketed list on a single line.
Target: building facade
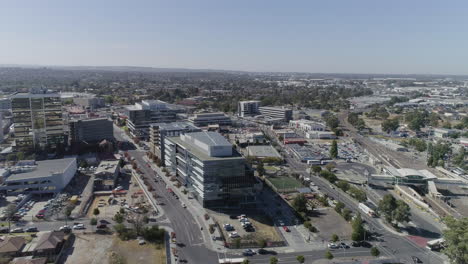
[(207, 164), (248, 108), (206, 119), (48, 176), (282, 113), (38, 120), (159, 131), (91, 130), (141, 115)]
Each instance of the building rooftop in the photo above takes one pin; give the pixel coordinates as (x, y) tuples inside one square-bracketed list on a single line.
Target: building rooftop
[(107, 166), (49, 240), (408, 173), (175, 126), (202, 154), (209, 138), (263, 151), (12, 244), (42, 169)]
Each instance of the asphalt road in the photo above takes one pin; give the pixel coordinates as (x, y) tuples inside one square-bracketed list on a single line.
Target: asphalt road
[(182, 222)]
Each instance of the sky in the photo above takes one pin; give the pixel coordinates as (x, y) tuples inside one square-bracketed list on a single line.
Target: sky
[(332, 36)]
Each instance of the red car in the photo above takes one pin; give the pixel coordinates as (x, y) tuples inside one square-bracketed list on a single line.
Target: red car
[(285, 228)]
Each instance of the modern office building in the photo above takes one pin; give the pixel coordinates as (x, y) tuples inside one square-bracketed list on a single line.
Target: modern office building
[(48, 176), (206, 119), (276, 113), (37, 119), (91, 130), (141, 115), (248, 108), (5, 104), (207, 164), (159, 131)]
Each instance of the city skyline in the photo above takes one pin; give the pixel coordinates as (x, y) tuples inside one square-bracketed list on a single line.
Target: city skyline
[(360, 37)]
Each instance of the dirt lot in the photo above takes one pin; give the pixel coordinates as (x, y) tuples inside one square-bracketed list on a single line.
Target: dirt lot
[(106, 211), (92, 249), (131, 252), (329, 222), (264, 228), (106, 249)]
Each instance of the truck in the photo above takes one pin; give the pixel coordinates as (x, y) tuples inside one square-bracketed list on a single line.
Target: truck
[(367, 210), (231, 260)]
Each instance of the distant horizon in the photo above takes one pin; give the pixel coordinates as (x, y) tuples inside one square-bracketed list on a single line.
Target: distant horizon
[(175, 69), (357, 37)]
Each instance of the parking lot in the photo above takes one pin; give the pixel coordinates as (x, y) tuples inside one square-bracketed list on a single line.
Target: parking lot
[(262, 227)]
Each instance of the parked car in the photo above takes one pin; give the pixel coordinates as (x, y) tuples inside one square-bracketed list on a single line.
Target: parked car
[(233, 235), (248, 252), (332, 246), (343, 245), (183, 205), (32, 229), (17, 230), (285, 228), (262, 251), (79, 226), (4, 230), (65, 228), (416, 259)]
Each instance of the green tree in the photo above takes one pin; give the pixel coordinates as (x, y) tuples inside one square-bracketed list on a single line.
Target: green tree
[(316, 169), (245, 261), (390, 125), (375, 251), (346, 214), (339, 207), (300, 203), (335, 238), (96, 212), (328, 254), (260, 169), (273, 260), (300, 259), (456, 239), (93, 221), (402, 212), (386, 206), (358, 229), (119, 218), (10, 212), (154, 234), (334, 150)]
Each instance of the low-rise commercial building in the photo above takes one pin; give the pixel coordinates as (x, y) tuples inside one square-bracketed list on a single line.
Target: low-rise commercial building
[(91, 130), (320, 135), (207, 164), (106, 174), (307, 125), (159, 131), (48, 176), (205, 119)]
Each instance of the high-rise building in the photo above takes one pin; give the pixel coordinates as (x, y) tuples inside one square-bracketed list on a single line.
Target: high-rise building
[(91, 130), (37, 119), (248, 108), (159, 131), (207, 164), (280, 113), (205, 119), (141, 115)]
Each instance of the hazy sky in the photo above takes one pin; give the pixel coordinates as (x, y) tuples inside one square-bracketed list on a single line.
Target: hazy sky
[(352, 36)]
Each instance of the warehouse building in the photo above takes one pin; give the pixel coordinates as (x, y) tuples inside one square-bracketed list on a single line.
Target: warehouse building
[(48, 176)]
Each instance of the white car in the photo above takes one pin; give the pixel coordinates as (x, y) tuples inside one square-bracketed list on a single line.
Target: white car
[(119, 188), (79, 226), (233, 235), (184, 206), (332, 246), (65, 228)]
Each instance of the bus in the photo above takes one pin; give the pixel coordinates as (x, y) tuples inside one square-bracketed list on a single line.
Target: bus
[(367, 210), (436, 244), (231, 260)]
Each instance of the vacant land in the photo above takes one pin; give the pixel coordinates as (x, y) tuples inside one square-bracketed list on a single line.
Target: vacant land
[(108, 249), (131, 252), (330, 222), (285, 182)]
